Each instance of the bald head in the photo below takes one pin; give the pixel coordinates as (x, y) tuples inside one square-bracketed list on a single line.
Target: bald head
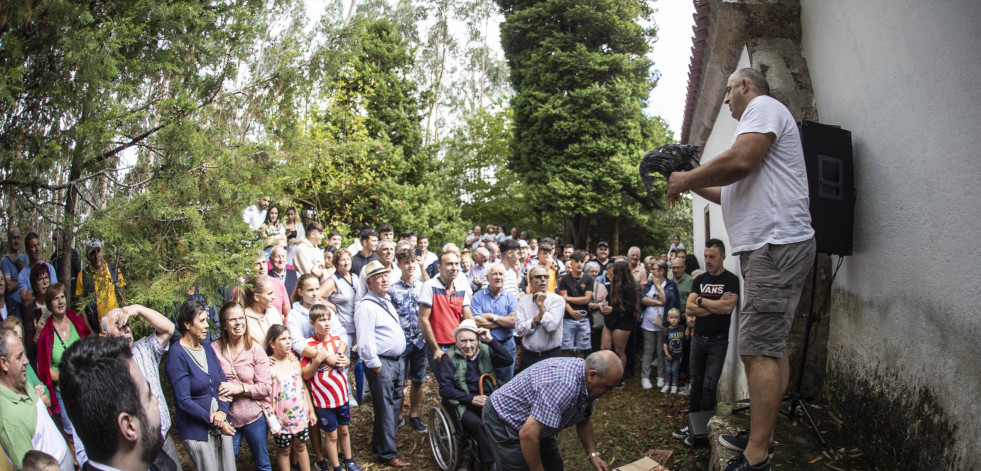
[(603, 372), (450, 247), (480, 255), (755, 79), (603, 362)]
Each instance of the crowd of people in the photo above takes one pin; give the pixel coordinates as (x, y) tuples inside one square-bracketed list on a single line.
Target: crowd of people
[(288, 339), (522, 334)]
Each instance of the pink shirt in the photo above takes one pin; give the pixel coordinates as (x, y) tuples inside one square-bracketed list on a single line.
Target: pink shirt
[(251, 368), (640, 274), (281, 300)]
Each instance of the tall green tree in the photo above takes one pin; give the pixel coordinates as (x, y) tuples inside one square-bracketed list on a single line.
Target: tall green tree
[(581, 78), (87, 86), (361, 138)]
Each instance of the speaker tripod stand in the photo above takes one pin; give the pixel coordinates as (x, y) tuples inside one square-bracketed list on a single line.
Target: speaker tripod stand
[(796, 398)]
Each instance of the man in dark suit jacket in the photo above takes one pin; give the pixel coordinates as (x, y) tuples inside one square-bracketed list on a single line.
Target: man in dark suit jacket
[(116, 413), (282, 271)]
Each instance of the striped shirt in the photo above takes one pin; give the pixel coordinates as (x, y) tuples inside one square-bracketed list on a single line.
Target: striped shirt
[(328, 387), (147, 353), (511, 282), (552, 391)]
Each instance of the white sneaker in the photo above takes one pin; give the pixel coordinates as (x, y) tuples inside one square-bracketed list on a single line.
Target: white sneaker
[(646, 383), (674, 389), (665, 388), (685, 391), (660, 382)]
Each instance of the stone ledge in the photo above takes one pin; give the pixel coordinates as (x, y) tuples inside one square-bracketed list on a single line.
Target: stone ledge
[(797, 446)]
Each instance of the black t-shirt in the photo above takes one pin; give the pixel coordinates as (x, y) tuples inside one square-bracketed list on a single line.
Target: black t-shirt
[(358, 261), (576, 288), (712, 287)]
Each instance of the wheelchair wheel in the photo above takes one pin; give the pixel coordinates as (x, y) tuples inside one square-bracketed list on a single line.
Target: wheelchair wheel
[(444, 439)]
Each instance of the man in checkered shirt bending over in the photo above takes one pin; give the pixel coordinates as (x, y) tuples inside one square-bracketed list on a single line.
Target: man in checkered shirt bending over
[(524, 417)]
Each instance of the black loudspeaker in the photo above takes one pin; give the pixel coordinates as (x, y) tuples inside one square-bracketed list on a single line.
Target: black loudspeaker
[(831, 180)]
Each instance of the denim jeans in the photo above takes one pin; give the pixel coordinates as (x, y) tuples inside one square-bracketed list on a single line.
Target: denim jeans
[(505, 374), (256, 434), (671, 369), (429, 358), (708, 355), (506, 445), (414, 364), (66, 423), (576, 335)]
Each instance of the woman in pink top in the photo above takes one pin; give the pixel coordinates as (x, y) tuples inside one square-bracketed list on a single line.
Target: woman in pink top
[(290, 400), (247, 368)]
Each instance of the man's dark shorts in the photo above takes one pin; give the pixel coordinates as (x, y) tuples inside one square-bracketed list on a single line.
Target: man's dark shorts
[(773, 276)]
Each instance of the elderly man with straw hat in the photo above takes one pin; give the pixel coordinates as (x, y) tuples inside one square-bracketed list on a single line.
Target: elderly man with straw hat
[(381, 342), (468, 379)]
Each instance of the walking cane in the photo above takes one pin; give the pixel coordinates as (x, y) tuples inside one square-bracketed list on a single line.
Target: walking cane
[(480, 382)]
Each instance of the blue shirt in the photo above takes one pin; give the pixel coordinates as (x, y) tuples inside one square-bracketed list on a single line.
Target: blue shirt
[(13, 298), (193, 391), (477, 276), (504, 304), (405, 298), (24, 280), (552, 391), (298, 323), (378, 329)]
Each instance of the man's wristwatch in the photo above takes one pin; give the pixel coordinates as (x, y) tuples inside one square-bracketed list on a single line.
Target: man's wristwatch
[(699, 301), (594, 454)]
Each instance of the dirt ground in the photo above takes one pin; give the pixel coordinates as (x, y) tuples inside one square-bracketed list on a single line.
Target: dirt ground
[(627, 424)]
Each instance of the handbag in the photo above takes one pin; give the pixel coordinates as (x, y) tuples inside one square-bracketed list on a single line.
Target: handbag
[(272, 422), (598, 319)]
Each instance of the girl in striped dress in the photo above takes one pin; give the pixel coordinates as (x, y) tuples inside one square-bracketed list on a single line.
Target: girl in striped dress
[(329, 388)]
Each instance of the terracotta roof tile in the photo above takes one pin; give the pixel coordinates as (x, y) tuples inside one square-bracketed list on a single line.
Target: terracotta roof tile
[(701, 15)]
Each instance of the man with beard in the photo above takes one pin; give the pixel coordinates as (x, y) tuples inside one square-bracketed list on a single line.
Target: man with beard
[(147, 353), (117, 413)]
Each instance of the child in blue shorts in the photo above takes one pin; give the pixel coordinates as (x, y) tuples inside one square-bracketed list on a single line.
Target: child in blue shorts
[(329, 389)]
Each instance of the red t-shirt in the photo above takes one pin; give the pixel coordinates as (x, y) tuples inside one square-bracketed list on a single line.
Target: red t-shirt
[(447, 304)]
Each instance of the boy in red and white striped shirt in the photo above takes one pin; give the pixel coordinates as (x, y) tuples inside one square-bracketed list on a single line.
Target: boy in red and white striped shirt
[(328, 387)]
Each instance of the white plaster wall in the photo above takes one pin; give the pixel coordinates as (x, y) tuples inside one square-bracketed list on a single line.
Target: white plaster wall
[(905, 78), (732, 383)]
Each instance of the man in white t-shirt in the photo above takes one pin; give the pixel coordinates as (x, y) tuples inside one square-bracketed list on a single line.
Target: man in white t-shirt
[(255, 215), (761, 183)]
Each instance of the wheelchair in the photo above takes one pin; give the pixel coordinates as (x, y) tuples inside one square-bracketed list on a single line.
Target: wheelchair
[(452, 447)]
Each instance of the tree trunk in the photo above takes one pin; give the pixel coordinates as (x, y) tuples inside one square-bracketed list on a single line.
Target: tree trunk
[(616, 236), (580, 231), (68, 230)]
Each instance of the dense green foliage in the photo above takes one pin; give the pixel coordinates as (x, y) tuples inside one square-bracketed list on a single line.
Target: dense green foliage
[(152, 125), (581, 79)]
